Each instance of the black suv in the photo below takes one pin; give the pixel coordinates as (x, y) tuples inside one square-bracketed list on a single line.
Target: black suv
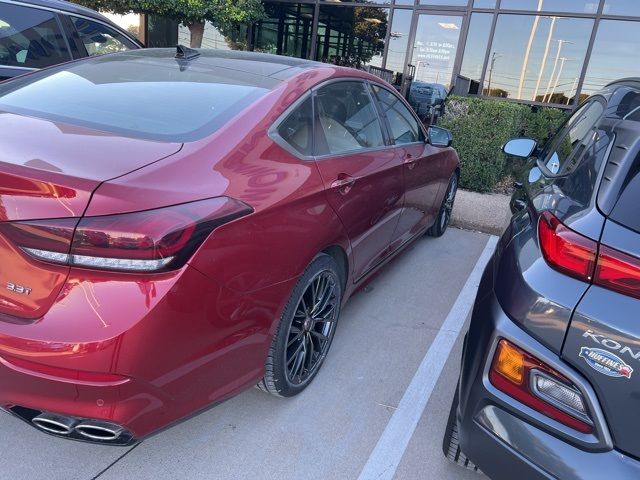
[(40, 33), (550, 376)]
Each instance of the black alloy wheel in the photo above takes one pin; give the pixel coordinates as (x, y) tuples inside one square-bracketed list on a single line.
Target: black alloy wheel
[(444, 213), (306, 330)]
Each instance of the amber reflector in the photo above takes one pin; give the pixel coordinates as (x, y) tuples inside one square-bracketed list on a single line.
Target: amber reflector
[(509, 362)]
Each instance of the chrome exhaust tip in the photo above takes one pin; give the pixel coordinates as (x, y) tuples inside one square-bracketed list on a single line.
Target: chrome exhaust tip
[(56, 424), (99, 431)]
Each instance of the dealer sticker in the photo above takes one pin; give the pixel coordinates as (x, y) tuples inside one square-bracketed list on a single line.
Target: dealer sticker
[(606, 362)]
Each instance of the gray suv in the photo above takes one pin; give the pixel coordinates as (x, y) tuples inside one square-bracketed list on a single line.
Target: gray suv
[(550, 374), (39, 33)]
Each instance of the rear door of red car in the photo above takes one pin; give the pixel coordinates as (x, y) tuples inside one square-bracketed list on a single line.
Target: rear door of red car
[(423, 166), (361, 171)]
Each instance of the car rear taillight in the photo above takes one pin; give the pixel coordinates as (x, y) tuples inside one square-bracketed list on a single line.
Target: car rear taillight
[(618, 271), (148, 241), (565, 250), (50, 238), (538, 386), (580, 257)]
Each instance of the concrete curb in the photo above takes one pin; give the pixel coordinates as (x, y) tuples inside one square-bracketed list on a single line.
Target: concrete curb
[(484, 212)]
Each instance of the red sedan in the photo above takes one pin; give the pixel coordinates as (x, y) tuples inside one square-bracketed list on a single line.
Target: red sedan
[(175, 228)]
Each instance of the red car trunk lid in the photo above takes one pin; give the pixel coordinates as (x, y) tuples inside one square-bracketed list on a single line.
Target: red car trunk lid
[(48, 170)]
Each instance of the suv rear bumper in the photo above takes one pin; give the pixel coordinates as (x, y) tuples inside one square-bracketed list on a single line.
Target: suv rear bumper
[(507, 439)]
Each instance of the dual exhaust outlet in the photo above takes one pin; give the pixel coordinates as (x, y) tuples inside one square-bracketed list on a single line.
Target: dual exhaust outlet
[(91, 430)]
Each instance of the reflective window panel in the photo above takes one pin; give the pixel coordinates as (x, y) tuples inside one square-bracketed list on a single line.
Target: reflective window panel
[(537, 58), (445, 3), (161, 32), (286, 31), (484, 3), (614, 53), (435, 47), (398, 39), (622, 7), (476, 45), (578, 6), (378, 2), (352, 36)]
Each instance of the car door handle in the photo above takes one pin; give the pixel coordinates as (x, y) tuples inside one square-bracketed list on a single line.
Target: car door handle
[(410, 161), (343, 183)]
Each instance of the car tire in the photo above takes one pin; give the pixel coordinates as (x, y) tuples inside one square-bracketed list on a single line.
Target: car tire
[(305, 331), (444, 212), (450, 442)]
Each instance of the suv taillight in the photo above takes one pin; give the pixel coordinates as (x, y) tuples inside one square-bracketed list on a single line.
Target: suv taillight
[(148, 241), (537, 385), (565, 250), (618, 271), (580, 257)]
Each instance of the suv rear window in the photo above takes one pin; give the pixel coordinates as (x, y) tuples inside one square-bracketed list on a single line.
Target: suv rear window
[(625, 211), (147, 95)]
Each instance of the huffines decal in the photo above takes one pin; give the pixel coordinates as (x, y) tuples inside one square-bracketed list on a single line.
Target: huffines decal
[(606, 362)]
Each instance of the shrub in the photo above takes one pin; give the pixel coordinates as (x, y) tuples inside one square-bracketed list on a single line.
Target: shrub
[(480, 127)]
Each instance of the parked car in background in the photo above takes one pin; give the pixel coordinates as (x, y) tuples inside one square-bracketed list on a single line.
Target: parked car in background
[(427, 99), (177, 227), (39, 33), (551, 364)]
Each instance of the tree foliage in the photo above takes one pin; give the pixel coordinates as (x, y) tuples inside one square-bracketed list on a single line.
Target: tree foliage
[(219, 12), (225, 15)]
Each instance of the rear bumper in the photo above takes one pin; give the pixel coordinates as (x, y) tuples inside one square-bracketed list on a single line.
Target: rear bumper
[(507, 439), (141, 354)]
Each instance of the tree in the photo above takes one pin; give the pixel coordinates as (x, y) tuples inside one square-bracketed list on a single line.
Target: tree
[(225, 15)]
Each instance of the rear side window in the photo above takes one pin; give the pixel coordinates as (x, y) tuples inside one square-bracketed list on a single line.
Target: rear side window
[(30, 38), (568, 147), (404, 127), (297, 128), (99, 39), (626, 210), (348, 119)]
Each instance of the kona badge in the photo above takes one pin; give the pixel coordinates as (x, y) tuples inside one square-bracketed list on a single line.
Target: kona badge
[(606, 362)]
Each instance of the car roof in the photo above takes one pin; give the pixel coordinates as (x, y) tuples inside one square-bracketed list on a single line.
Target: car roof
[(277, 67), (62, 5), (625, 81)]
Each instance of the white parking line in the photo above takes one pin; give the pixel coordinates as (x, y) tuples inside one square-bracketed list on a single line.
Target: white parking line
[(387, 454)]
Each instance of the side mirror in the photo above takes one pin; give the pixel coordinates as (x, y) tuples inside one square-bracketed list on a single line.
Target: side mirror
[(520, 147), (439, 137)]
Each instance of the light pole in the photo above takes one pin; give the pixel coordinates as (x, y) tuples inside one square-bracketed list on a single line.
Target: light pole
[(555, 85), (575, 82), (527, 52), (555, 65), (545, 56), (494, 57)]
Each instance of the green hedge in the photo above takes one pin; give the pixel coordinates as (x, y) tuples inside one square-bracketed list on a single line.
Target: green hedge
[(480, 127)]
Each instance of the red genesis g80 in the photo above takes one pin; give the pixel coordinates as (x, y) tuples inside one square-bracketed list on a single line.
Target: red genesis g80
[(175, 228)]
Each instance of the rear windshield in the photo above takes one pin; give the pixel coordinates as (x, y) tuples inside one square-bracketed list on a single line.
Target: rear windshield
[(626, 210), (155, 98)]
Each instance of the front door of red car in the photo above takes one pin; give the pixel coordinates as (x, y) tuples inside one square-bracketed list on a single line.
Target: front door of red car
[(422, 166), (362, 175)]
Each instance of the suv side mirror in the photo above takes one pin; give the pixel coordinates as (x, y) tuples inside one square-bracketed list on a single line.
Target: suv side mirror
[(439, 137), (520, 147)]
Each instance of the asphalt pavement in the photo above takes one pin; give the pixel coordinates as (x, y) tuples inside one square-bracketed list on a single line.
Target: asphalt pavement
[(377, 409)]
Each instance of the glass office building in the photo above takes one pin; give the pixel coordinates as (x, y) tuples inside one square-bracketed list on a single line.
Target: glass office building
[(536, 51)]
